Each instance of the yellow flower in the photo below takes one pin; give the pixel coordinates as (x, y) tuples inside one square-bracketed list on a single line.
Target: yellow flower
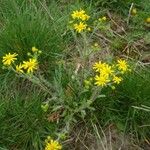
[(19, 68), (106, 70), (98, 66), (30, 65), (53, 145), (103, 68), (117, 80), (34, 49), (80, 15), (101, 80), (77, 14), (80, 27), (84, 17), (122, 65), (8, 59)]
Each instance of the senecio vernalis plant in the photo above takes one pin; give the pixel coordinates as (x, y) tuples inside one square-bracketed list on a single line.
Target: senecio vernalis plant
[(76, 102), (79, 20), (25, 67)]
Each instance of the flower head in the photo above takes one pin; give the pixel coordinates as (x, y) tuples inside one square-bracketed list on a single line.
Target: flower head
[(84, 17), (80, 27), (107, 70), (52, 144), (117, 80), (101, 80), (19, 68), (122, 65), (30, 65), (8, 59), (98, 66), (80, 15)]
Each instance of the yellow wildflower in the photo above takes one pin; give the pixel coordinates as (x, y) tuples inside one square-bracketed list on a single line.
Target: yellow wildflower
[(19, 68), (98, 66), (30, 65), (122, 65), (106, 70), (80, 15), (80, 27), (101, 80), (84, 17), (8, 59), (53, 145), (103, 68), (117, 80), (34, 49), (77, 14)]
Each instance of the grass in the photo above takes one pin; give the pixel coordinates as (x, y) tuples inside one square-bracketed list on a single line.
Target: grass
[(64, 64), (134, 91), (24, 124), (32, 24)]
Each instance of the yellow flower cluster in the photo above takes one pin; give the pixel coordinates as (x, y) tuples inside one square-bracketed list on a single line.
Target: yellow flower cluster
[(80, 15), (80, 18), (27, 66), (109, 74), (52, 144)]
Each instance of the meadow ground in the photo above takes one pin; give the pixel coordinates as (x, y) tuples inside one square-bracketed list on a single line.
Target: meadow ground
[(74, 75)]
